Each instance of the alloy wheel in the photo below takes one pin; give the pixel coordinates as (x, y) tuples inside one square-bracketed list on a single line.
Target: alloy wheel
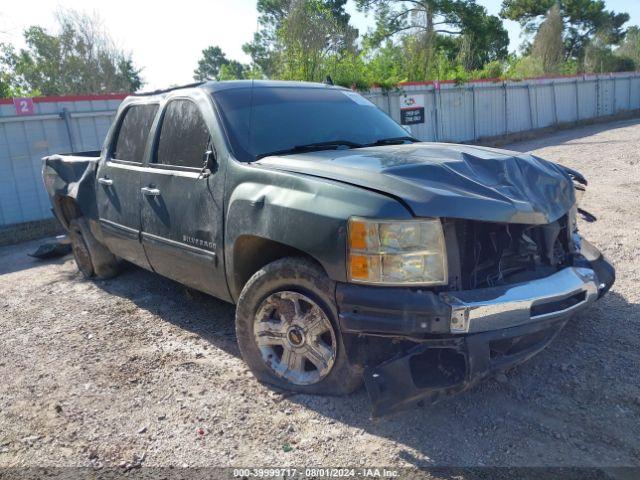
[(296, 339)]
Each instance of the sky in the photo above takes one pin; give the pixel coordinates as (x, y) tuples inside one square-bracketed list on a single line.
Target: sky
[(166, 41)]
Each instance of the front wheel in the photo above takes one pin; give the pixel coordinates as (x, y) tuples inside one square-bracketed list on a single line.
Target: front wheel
[(287, 330)]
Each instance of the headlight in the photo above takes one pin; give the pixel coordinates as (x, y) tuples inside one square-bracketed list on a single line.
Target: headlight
[(402, 252)]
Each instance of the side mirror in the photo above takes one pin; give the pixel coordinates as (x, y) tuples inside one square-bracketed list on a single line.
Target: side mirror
[(209, 164)]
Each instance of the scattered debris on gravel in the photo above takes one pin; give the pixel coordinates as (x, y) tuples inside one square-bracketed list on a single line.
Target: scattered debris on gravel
[(138, 371)]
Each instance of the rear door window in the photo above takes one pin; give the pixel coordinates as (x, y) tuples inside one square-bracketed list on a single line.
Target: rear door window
[(133, 133), (184, 136)]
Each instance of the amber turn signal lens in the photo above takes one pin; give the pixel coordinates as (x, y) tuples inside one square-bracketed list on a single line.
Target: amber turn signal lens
[(359, 267), (358, 235)]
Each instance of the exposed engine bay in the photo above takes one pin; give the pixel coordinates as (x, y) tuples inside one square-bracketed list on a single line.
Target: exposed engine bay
[(494, 254)]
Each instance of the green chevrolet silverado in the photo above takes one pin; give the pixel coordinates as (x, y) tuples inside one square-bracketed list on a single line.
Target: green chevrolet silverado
[(353, 251)]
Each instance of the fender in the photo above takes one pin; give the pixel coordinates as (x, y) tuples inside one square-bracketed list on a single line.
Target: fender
[(302, 212)]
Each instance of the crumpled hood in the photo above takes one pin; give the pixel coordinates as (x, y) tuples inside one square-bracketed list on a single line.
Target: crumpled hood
[(447, 180)]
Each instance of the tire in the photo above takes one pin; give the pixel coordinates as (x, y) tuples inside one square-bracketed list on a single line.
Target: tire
[(267, 313), (92, 258)]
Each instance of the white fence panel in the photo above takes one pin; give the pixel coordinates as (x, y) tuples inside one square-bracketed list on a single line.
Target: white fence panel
[(471, 112), (456, 105), (519, 114), (565, 101), (490, 111), (587, 99), (57, 125), (634, 93)]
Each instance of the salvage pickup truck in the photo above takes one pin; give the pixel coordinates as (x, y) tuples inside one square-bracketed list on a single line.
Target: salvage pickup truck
[(352, 250)]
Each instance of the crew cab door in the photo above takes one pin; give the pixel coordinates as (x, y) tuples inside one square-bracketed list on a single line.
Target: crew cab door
[(182, 213), (118, 183)]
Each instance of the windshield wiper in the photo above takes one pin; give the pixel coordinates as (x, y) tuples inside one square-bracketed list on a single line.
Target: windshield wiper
[(312, 147), (393, 141)]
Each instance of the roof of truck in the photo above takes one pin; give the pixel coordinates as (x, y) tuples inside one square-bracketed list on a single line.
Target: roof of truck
[(214, 86)]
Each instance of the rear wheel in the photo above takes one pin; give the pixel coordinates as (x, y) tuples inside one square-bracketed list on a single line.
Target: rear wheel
[(287, 330), (92, 258)]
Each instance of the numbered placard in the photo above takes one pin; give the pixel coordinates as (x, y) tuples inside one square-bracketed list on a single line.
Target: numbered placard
[(24, 106)]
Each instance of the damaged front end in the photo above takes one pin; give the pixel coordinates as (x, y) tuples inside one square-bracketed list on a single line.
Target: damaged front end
[(511, 289)]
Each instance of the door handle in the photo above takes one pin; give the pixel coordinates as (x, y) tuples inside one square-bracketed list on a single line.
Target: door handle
[(152, 192), (107, 182)]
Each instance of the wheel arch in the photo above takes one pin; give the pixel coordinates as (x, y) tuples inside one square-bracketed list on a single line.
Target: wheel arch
[(252, 252), (66, 209)]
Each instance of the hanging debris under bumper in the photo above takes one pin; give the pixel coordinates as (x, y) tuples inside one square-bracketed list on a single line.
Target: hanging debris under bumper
[(489, 330)]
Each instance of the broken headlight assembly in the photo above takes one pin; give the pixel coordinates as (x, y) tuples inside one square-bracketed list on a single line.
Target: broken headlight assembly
[(396, 252)]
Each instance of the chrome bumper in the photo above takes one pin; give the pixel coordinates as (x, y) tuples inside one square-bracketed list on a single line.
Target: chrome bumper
[(555, 296)]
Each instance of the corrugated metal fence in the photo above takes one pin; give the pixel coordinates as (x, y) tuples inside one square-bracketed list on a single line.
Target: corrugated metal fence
[(480, 110), (454, 113), (43, 127)]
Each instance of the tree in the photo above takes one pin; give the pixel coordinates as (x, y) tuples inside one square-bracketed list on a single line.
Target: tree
[(583, 19), (387, 65), (297, 37), (214, 65), (600, 58), (5, 85), (233, 70), (630, 47), (80, 58), (547, 45), (460, 28), (309, 36), (213, 59)]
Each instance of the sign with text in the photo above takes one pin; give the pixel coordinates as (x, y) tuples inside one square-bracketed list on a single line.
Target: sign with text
[(411, 109), (24, 106)]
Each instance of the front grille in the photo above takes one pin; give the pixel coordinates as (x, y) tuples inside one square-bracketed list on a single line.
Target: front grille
[(493, 254)]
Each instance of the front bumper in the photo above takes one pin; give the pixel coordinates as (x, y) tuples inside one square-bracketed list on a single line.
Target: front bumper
[(555, 296), (452, 340)]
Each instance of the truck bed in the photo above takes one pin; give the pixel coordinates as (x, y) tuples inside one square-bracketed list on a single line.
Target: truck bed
[(72, 175)]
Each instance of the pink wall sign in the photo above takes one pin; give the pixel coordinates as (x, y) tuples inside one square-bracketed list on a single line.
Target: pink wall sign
[(24, 106)]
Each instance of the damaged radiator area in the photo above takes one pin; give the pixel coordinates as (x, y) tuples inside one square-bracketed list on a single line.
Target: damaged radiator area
[(495, 254)]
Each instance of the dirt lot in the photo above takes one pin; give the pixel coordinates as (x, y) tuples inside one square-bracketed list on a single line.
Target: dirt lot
[(140, 370)]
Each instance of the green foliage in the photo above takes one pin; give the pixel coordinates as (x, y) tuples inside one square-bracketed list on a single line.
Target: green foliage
[(493, 69), (386, 66), (80, 58), (277, 46), (214, 65), (309, 37), (5, 85), (209, 65), (422, 40), (547, 46), (600, 58), (462, 29), (630, 47), (524, 67), (349, 70), (302, 39), (582, 20), (519, 68)]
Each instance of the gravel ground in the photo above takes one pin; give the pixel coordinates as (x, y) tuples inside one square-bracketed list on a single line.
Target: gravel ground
[(140, 370)]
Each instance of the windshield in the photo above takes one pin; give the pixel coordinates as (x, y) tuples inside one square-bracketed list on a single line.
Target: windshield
[(262, 120)]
